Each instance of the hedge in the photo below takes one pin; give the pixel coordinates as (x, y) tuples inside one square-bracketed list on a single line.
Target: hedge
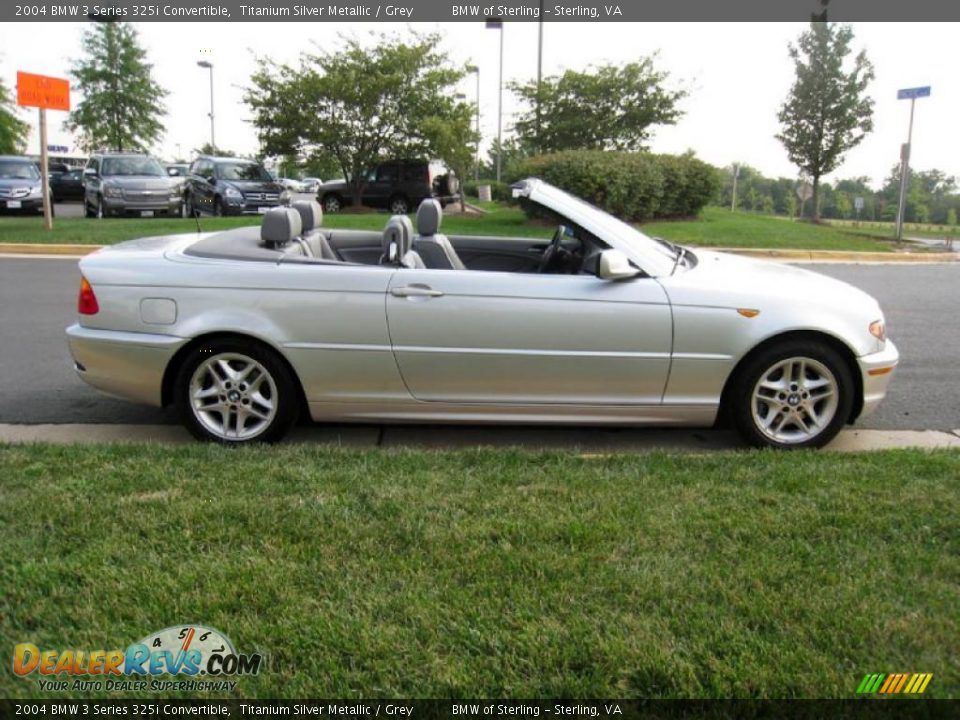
[(632, 186)]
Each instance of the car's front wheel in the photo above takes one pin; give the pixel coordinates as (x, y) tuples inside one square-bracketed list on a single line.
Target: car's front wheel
[(797, 394), (235, 392)]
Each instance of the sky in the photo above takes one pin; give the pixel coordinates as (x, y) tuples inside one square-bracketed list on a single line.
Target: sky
[(737, 75)]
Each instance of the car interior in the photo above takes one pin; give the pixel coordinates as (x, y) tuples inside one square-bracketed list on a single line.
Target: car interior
[(295, 235)]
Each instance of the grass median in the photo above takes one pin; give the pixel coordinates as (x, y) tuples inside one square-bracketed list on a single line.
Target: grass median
[(396, 573), (715, 227)]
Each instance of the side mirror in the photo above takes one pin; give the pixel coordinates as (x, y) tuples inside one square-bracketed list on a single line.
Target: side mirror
[(89, 172), (614, 265)]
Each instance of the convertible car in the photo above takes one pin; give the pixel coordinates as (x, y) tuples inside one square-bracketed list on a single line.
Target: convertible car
[(247, 329)]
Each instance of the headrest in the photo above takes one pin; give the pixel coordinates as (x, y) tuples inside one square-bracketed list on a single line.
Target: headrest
[(280, 226), (429, 215), (311, 214), (397, 233)]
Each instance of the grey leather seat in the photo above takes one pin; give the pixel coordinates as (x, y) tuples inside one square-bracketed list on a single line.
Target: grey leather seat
[(280, 227), (435, 249), (397, 242), (314, 241)]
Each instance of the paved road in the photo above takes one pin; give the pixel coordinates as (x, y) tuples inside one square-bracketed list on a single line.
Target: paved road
[(38, 300)]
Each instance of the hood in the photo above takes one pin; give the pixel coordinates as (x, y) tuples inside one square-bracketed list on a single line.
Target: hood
[(748, 282), (139, 183)]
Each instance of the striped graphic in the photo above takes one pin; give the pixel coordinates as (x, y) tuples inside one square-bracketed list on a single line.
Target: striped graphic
[(894, 683)]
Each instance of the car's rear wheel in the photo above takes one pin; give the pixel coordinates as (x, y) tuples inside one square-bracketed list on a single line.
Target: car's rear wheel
[(235, 392), (793, 395), (399, 205), (331, 204)]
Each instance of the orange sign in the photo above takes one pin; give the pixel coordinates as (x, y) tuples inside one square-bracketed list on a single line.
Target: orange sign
[(42, 91)]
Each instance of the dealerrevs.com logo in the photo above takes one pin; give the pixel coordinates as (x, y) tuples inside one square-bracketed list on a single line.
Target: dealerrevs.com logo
[(204, 655)]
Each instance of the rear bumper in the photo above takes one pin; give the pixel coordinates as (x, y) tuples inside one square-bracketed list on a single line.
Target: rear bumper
[(127, 365), (877, 370)]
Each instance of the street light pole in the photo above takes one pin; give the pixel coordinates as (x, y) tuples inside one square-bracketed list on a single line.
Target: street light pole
[(539, 73), (209, 65), (497, 24), (476, 160)]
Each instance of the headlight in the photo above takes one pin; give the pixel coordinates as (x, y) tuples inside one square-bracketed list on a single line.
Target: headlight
[(36, 191), (232, 192), (879, 330), (113, 192)]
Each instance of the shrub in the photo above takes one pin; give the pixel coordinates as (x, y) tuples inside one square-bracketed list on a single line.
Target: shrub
[(632, 186), (498, 191)]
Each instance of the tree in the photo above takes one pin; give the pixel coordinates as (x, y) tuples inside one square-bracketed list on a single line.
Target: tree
[(13, 130), (613, 107), (122, 105), (363, 104), (827, 111), (208, 149)]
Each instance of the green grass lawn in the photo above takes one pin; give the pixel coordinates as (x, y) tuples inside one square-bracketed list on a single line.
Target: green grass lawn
[(715, 227), (396, 573), (887, 230)]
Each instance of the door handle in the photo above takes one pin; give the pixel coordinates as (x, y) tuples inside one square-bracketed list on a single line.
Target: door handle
[(415, 291)]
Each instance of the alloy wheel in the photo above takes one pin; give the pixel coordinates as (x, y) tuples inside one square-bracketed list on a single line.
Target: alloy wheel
[(233, 396), (795, 400)]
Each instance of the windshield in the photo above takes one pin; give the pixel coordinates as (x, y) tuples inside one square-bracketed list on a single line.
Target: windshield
[(131, 166), (243, 171), (18, 170), (657, 258)]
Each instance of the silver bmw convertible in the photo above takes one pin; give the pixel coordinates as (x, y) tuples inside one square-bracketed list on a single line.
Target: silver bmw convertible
[(246, 330)]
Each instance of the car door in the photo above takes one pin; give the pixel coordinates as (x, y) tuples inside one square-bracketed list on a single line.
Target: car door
[(380, 185), (495, 337)]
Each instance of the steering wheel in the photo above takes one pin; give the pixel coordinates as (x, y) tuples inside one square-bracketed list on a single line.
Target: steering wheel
[(555, 256)]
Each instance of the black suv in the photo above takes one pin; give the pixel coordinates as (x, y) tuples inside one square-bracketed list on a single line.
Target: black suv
[(395, 185), (231, 186)]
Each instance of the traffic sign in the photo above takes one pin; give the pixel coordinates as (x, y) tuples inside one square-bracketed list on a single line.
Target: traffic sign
[(43, 92), (858, 203), (913, 93)]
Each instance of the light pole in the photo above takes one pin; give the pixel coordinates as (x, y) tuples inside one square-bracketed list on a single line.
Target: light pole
[(474, 70), (209, 66), (910, 94), (539, 73), (497, 24)]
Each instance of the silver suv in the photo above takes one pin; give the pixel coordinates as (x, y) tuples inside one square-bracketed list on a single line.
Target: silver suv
[(129, 184)]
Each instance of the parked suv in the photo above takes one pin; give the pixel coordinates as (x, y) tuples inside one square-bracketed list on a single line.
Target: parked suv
[(20, 188), (395, 185), (231, 186), (128, 183)]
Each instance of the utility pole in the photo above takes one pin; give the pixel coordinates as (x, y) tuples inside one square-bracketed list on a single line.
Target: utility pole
[(497, 24), (736, 174)]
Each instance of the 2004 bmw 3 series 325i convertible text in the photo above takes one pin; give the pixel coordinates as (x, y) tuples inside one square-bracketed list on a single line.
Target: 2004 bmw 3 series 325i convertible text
[(246, 329)]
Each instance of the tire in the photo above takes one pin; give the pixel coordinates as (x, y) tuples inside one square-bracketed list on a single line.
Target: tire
[(332, 204), (796, 394), (188, 209), (99, 212), (218, 208), (87, 210), (398, 205), (265, 394)]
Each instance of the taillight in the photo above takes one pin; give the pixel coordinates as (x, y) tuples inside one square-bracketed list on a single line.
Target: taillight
[(87, 301)]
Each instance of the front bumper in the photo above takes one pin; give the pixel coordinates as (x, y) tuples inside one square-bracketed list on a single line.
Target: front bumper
[(127, 365), (877, 370), (250, 206), (124, 205), (27, 204)]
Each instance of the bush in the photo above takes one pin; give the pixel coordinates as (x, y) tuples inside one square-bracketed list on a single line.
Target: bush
[(632, 186), (498, 191)]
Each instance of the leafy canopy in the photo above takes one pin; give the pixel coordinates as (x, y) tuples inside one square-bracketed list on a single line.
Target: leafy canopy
[(610, 108), (392, 99), (122, 105), (827, 111), (13, 130)]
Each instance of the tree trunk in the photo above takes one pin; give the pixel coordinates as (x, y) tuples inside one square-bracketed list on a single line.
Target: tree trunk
[(815, 199)]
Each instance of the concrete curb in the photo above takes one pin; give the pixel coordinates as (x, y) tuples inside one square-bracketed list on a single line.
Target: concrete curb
[(589, 442), (839, 255), (44, 249), (798, 256)]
